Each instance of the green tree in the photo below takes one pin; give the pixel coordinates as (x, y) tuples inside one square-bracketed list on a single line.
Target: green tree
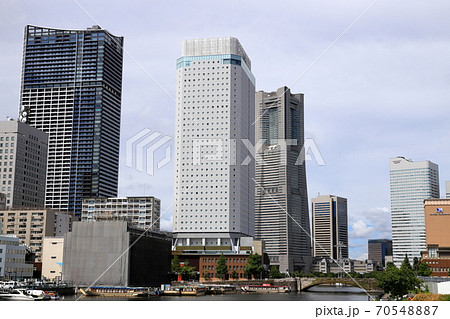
[(175, 265), (222, 268), (187, 272), (416, 263), (254, 266), (206, 275), (424, 270), (398, 282), (275, 273), (234, 275)]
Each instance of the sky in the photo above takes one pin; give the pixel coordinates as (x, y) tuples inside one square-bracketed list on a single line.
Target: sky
[(375, 75)]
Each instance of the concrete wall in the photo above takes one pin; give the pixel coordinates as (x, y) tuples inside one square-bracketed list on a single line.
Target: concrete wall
[(91, 249)]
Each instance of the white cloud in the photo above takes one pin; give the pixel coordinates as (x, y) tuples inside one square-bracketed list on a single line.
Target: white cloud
[(360, 229), (362, 257)]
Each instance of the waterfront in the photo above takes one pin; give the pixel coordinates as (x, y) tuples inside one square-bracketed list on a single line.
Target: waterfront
[(318, 293)]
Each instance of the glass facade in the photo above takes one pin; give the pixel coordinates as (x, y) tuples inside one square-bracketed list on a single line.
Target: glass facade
[(71, 89)]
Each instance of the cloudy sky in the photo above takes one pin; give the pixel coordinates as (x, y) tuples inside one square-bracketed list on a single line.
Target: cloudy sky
[(380, 91)]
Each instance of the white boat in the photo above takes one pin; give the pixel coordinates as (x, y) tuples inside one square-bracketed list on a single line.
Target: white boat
[(15, 295)]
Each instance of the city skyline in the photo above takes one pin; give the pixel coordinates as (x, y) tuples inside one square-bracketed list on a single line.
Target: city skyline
[(364, 98)]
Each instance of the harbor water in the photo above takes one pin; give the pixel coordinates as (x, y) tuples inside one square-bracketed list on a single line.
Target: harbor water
[(317, 293)]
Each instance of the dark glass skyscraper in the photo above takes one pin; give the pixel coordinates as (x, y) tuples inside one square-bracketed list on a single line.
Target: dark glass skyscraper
[(71, 89), (281, 197)]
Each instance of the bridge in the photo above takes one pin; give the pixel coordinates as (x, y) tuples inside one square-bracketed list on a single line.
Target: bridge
[(368, 284)]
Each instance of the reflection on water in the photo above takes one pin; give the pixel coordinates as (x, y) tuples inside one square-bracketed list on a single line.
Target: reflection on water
[(317, 293)]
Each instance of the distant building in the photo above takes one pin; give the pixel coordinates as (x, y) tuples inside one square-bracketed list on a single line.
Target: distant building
[(110, 253), (12, 259), (437, 224), (447, 189), (52, 258), (72, 89), (330, 227), (378, 250), (31, 226), (410, 183), (346, 265), (281, 210), (2, 204), (143, 212), (23, 159)]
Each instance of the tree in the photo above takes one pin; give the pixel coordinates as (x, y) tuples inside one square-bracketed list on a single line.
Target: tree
[(175, 265), (398, 282), (206, 275), (254, 266), (424, 270), (187, 272), (222, 268), (275, 273), (405, 264), (234, 275), (416, 264)]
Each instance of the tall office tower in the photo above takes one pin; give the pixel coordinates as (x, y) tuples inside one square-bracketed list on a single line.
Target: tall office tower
[(410, 183), (330, 227), (23, 164), (281, 210), (215, 109), (378, 249), (71, 89)]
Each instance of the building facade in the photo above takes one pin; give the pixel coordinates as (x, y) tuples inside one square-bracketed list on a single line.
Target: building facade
[(410, 183), (215, 109), (281, 205), (330, 227), (23, 164), (12, 259), (32, 226), (142, 212), (437, 224), (378, 249), (52, 258), (447, 189), (71, 89), (132, 257)]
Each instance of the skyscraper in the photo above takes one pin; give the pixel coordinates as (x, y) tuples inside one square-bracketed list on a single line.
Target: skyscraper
[(215, 109), (23, 164), (330, 227), (71, 89), (281, 211), (447, 189), (410, 183)]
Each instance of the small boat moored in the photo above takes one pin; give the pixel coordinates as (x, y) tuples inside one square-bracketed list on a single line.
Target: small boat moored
[(266, 288)]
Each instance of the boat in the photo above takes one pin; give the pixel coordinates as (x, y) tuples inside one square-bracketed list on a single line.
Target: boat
[(15, 295), (193, 291), (114, 291), (216, 290), (172, 291), (266, 288)]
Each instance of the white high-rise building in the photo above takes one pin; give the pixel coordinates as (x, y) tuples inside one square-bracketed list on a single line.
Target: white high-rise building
[(410, 183), (215, 109), (447, 189)]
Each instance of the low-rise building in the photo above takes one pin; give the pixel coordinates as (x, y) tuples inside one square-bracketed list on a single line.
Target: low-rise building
[(32, 225), (52, 258), (114, 253), (12, 259), (205, 258), (346, 265), (143, 212)]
